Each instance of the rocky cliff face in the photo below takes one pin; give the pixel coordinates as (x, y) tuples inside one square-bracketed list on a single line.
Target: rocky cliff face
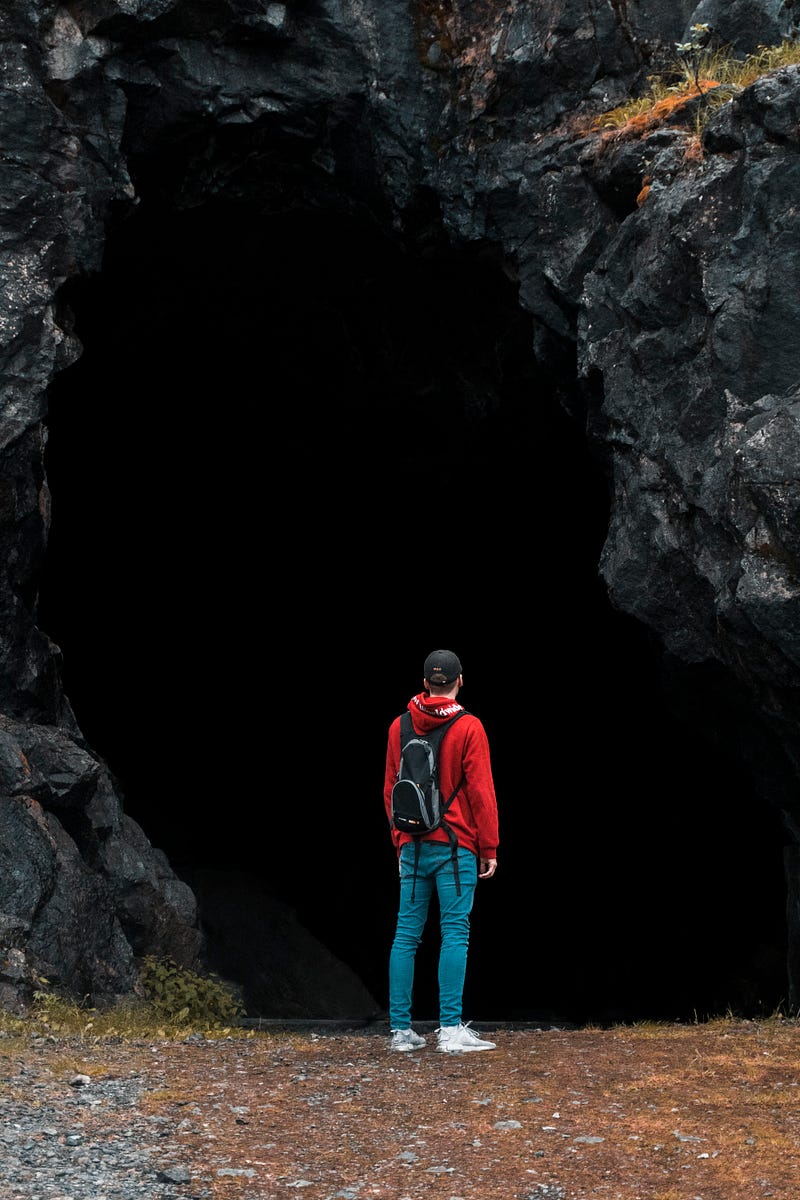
[(670, 315)]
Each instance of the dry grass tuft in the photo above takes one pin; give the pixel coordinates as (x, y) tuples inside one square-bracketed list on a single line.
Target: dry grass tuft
[(51, 1016), (639, 117), (713, 79)]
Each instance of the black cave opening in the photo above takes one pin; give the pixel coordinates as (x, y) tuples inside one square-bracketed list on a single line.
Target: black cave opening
[(298, 452)]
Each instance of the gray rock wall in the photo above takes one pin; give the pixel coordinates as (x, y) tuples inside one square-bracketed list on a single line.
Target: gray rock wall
[(688, 318), (682, 310)]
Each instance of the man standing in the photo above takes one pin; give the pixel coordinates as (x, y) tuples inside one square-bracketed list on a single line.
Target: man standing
[(464, 763)]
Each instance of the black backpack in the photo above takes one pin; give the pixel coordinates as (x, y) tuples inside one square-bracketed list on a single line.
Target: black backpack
[(417, 806)]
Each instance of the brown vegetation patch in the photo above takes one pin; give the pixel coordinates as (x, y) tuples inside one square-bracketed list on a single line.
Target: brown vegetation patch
[(660, 112), (648, 1112)]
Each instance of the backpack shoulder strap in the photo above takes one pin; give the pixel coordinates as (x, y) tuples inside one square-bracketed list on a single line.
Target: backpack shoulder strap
[(457, 788), (406, 728), (438, 733), (442, 730), (434, 736)]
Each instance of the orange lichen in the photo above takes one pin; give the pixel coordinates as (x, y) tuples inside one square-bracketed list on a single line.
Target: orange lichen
[(658, 113), (693, 150)]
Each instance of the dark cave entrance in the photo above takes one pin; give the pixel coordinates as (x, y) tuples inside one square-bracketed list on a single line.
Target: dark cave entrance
[(298, 452)]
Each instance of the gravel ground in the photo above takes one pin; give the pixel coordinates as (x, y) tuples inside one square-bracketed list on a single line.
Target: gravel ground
[(649, 1112), (65, 1135)]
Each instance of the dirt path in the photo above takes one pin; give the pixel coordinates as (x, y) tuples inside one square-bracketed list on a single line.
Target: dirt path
[(650, 1112)]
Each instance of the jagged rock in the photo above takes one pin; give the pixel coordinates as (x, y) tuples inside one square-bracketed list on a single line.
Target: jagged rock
[(700, 422), (81, 892)]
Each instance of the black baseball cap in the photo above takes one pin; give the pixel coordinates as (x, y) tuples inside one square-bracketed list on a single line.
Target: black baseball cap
[(441, 666)]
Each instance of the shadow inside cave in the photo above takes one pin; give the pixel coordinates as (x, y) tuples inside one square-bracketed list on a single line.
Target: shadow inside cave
[(298, 452)]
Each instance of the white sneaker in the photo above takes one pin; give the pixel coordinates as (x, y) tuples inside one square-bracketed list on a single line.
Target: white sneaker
[(458, 1039), (406, 1039)]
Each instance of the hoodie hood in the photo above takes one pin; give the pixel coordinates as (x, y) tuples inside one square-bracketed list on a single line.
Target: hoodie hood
[(429, 711)]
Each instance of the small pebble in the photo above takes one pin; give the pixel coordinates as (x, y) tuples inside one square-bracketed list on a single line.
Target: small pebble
[(43, 1142)]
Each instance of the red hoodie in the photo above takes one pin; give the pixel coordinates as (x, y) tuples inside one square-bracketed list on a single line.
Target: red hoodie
[(464, 752)]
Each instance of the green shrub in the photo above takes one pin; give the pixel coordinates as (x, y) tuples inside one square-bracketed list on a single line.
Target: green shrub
[(177, 994)]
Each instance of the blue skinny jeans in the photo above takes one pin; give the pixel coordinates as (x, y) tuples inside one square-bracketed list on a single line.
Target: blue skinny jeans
[(434, 871)]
